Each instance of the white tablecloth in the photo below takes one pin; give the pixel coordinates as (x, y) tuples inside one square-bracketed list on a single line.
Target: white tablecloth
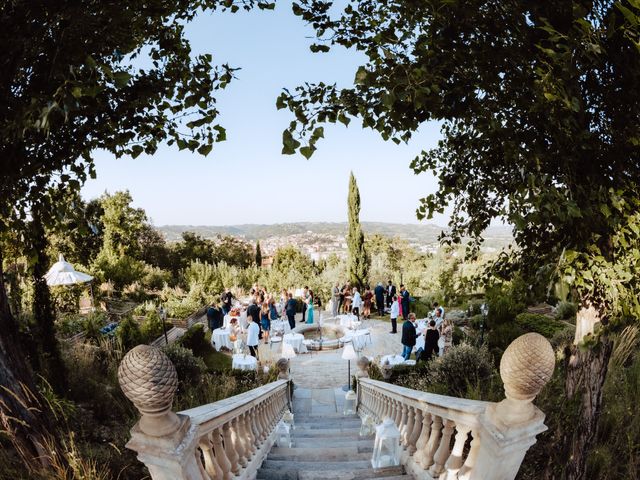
[(220, 338), (347, 321), (358, 338), (242, 320), (279, 325), (393, 359), (244, 362), (293, 339)]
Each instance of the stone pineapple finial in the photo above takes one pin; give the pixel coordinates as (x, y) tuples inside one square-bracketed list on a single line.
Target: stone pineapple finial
[(283, 369), (526, 366), (148, 378), (363, 367)]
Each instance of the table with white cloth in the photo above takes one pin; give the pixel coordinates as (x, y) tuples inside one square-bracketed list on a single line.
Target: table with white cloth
[(347, 321), (220, 338), (242, 320), (358, 338), (392, 359), (293, 339), (244, 362), (278, 326)]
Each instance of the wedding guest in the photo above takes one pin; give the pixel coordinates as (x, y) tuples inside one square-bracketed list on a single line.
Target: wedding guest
[(253, 311), (447, 333), (290, 309), (305, 302), (234, 329), (213, 317), (395, 310), (366, 307), (437, 308), (227, 298), (335, 299), (356, 304), (379, 294), (265, 322), (310, 300), (409, 336), (253, 332), (431, 337), (391, 291), (346, 304), (404, 300)]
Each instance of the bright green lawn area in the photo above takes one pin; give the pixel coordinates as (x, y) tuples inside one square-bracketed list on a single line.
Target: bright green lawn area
[(217, 361)]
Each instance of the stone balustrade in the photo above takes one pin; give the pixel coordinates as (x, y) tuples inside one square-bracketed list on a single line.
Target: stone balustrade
[(219, 441), (451, 438)]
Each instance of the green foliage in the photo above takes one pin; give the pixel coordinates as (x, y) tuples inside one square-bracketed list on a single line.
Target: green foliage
[(504, 304), (92, 325), (151, 327), (129, 334), (357, 257), (121, 270), (533, 322), (66, 298), (258, 255), (501, 336), (566, 311), (154, 278), (194, 340), (189, 367)]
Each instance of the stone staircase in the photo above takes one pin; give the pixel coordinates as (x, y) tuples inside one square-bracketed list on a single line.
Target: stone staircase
[(326, 447)]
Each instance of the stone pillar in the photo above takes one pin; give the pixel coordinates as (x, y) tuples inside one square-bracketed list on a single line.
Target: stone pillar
[(164, 441), (512, 425)]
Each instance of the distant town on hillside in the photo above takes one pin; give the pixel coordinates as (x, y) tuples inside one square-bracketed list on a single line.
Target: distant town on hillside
[(321, 239)]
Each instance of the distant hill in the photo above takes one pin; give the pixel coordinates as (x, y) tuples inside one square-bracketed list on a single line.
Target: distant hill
[(422, 234)]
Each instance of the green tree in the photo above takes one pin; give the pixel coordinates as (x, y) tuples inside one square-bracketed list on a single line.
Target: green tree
[(75, 79), (538, 103), (258, 255), (357, 260), (233, 251), (122, 224)]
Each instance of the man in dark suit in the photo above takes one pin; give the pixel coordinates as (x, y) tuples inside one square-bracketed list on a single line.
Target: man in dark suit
[(215, 317), (409, 336), (379, 293), (290, 309), (404, 300), (391, 291)]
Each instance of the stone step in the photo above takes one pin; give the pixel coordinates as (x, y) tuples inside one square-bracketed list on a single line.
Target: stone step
[(323, 434), (315, 451), (308, 466), (320, 455), (354, 424), (311, 442), (325, 474)]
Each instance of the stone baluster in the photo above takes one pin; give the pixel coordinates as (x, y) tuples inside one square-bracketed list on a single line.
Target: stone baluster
[(229, 448), (221, 455), (415, 433), (262, 428), (210, 464), (526, 366), (433, 443), (403, 424), (454, 464), (251, 441), (148, 378), (470, 462), (444, 450), (253, 426), (421, 444), (388, 410), (239, 444), (397, 409)]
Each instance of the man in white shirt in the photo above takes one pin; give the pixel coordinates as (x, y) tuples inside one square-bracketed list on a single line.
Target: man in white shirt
[(395, 311), (253, 331), (356, 303)]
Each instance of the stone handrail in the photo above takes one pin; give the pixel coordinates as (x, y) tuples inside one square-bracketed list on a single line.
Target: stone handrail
[(222, 440), (451, 438)]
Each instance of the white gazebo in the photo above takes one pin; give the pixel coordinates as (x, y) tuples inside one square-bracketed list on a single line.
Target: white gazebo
[(63, 273)]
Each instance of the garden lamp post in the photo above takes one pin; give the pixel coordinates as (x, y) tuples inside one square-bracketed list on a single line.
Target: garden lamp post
[(484, 309), (162, 313), (349, 354)]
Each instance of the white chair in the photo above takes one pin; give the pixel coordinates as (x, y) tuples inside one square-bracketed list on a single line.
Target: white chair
[(274, 339)]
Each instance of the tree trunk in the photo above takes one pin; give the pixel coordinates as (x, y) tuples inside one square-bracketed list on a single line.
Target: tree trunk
[(50, 361), (24, 415), (586, 374)]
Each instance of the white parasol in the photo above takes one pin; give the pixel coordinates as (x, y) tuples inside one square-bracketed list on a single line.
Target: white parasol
[(63, 273)]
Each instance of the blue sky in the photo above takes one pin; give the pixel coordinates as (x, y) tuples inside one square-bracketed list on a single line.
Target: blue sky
[(246, 179)]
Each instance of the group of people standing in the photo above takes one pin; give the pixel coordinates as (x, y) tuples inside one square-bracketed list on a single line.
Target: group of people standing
[(348, 299), (438, 326), (263, 309)]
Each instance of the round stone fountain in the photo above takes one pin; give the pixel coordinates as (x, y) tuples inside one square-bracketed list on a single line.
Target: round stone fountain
[(325, 340)]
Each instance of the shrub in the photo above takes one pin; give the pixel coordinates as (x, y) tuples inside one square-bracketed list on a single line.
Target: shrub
[(128, 332), (534, 322), (120, 269), (135, 291), (189, 367), (476, 321), (503, 308), (155, 278), (421, 307), (151, 327), (458, 336), (462, 367), (92, 325), (501, 336), (194, 339), (567, 311)]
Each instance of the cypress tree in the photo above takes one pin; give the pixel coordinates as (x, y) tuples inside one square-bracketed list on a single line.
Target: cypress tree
[(357, 259), (258, 254)]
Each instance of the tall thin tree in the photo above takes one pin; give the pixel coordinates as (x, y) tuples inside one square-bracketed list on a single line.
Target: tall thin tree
[(258, 255), (357, 260)]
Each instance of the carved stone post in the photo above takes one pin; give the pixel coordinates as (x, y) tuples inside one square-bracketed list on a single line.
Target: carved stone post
[(512, 424), (162, 439)]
